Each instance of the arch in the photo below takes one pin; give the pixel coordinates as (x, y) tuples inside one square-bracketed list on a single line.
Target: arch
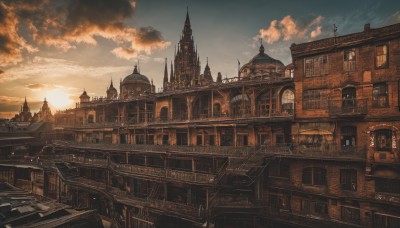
[(179, 108), (201, 107), (287, 101), (164, 113), (240, 105), (266, 103), (217, 109)]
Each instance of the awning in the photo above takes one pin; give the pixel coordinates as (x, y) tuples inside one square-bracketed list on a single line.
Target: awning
[(317, 128), (316, 132)]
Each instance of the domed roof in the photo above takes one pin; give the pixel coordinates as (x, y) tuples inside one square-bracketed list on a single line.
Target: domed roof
[(262, 58), (84, 95), (136, 77)]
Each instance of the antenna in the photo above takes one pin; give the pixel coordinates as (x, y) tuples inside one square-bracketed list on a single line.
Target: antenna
[(334, 30)]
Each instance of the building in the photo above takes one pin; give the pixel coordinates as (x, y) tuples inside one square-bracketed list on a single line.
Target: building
[(310, 144)]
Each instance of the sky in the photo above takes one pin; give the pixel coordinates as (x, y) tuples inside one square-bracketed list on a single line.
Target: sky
[(55, 49)]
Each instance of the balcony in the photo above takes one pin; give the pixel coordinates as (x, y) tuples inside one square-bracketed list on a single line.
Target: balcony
[(200, 178), (287, 149), (348, 108)]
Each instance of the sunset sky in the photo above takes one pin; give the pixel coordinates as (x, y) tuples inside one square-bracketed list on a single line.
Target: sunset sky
[(58, 48)]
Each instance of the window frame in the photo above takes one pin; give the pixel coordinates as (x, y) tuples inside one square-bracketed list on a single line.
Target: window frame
[(389, 137), (350, 214), (315, 99), (316, 66), (348, 179), (349, 61), (380, 90), (384, 55), (318, 176)]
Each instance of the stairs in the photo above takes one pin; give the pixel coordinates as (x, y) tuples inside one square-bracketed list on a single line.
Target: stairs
[(66, 171)]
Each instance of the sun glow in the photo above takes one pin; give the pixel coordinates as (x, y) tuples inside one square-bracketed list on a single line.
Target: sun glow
[(58, 98)]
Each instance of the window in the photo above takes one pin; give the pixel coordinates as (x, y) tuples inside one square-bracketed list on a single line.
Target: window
[(266, 103), (350, 214), (381, 56), (318, 207), (380, 95), (164, 114), (240, 105), (287, 101), (383, 140), (279, 202), (281, 169), (316, 66), (349, 59), (165, 139), (315, 99), (139, 139), (387, 185), (348, 179), (314, 176), (386, 221), (90, 119), (217, 110), (242, 140)]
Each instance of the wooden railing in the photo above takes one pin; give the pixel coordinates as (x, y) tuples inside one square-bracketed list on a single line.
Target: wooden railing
[(348, 107), (193, 177), (289, 149)]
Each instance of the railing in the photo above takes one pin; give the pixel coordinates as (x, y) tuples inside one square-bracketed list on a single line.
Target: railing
[(348, 107), (184, 118), (390, 197), (165, 173), (312, 150), (85, 160)]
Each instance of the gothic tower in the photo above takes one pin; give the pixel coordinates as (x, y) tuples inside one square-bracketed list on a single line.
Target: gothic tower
[(187, 63)]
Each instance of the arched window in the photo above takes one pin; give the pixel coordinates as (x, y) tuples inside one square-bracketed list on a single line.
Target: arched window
[(266, 103), (314, 176), (164, 114), (287, 101), (217, 110), (383, 139), (91, 119), (240, 105)]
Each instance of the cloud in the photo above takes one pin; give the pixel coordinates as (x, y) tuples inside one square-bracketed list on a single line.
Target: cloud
[(13, 104), (394, 18), (272, 34), (36, 86), (316, 32), (51, 70), (289, 29), (11, 44), (66, 23)]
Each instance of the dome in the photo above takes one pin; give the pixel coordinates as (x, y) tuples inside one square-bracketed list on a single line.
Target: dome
[(262, 58), (84, 95), (136, 77)]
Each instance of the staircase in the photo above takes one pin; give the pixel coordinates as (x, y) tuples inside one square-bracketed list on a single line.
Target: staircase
[(66, 171)]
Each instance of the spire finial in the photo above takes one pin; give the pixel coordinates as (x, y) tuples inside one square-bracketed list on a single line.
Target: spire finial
[(261, 47), (207, 60)]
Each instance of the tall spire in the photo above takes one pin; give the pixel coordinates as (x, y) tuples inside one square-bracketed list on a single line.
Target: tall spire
[(187, 30), (165, 73), (172, 77)]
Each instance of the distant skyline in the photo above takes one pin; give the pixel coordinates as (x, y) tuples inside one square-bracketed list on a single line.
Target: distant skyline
[(58, 48)]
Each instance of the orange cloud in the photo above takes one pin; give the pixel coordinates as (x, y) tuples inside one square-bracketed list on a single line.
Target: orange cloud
[(11, 44), (36, 86), (66, 23), (288, 29), (316, 32)]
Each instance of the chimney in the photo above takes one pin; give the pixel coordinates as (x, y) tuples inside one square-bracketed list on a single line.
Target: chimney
[(367, 27)]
